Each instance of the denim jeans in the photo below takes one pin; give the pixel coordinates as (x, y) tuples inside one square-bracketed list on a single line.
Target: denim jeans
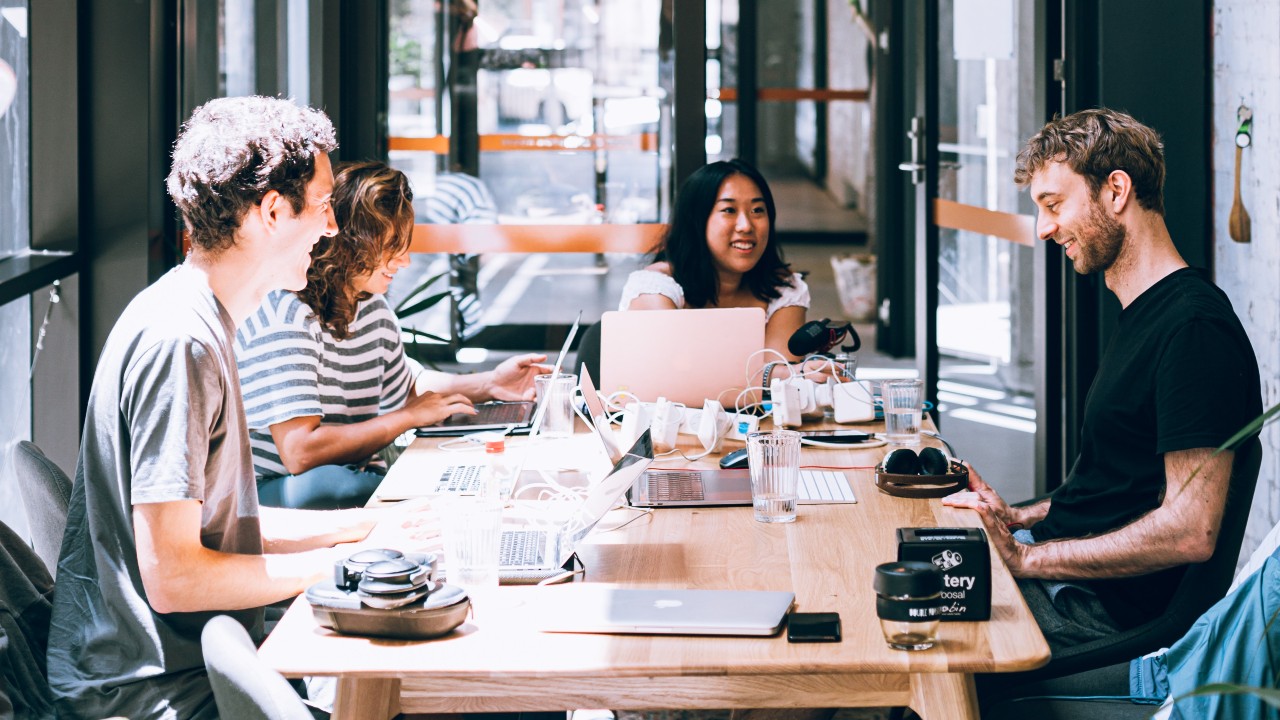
[(328, 487)]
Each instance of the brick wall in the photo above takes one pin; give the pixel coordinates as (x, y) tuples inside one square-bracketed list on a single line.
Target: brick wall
[(1246, 69)]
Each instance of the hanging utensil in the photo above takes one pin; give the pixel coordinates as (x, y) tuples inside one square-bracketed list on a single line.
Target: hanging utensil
[(1239, 227)]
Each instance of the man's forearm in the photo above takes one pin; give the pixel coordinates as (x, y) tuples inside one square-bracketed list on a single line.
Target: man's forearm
[(285, 530), (475, 386), (1029, 515), (229, 581)]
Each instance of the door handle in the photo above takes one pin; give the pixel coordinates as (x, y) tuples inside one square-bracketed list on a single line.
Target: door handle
[(915, 165)]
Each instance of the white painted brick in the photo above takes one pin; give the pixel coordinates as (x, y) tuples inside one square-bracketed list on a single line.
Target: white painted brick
[(1246, 66)]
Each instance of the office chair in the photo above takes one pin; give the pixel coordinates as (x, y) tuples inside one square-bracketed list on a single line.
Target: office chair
[(1202, 585), (46, 491), (244, 687), (589, 351), (26, 597), (1062, 699)]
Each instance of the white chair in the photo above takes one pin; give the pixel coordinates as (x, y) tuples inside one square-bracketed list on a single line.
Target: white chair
[(243, 686), (46, 491)]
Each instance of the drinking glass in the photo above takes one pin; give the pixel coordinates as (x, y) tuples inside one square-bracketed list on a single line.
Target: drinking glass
[(774, 459), (556, 393), (471, 527), (903, 400)]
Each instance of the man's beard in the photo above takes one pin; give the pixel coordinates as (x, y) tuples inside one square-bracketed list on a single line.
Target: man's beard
[(1099, 242)]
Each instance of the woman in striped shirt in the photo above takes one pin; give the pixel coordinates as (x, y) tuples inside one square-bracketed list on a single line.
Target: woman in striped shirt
[(325, 381)]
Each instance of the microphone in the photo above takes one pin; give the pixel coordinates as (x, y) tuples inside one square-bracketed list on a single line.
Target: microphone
[(819, 336)]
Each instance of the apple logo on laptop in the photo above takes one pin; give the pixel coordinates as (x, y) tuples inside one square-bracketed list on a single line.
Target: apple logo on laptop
[(664, 604)]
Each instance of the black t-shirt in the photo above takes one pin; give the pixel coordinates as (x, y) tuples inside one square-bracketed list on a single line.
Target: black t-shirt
[(1179, 373)]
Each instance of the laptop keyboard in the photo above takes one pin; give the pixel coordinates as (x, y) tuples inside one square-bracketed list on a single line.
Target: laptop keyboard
[(500, 413), (686, 486), (461, 479), (675, 485), (522, 548)]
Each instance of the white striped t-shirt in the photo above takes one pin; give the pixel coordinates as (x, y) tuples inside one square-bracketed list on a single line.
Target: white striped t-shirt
[(290, 366)]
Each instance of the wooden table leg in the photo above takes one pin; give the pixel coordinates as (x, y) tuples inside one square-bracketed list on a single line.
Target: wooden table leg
[(366, 699), (942, 696)]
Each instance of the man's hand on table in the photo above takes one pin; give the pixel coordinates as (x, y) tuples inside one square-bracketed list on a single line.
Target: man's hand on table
[(998, 518), (408, 526)]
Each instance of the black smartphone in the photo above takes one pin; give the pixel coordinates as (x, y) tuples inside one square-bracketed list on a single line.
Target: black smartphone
[(813, 627), (842, 437)]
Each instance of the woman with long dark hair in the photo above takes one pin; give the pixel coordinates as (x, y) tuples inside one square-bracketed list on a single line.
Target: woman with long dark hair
[(719, 252), (323, 371)]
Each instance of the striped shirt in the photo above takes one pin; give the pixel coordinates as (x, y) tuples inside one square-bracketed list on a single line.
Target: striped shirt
[(290, 366), (457, 199)]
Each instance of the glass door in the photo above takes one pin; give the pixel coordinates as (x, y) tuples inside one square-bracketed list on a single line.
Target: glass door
[(980, 311)]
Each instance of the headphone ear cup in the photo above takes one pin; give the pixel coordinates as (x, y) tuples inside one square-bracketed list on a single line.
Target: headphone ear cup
[(903, 461), (933, 462)]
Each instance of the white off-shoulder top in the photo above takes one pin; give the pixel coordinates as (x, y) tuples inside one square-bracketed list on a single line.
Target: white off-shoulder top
[(653, 282)]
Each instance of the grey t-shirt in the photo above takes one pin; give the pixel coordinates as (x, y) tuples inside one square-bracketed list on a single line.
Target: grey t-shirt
[(165, 422)]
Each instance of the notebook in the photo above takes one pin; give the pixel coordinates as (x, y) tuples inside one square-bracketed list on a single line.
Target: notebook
[(529, 555), (696, 487), (511, 417), (686, 356), (590, 608)]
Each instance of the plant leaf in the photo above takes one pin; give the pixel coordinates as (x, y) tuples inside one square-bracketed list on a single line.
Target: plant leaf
[(423, 334), (421, 305), (1270, 696), (420, 289)]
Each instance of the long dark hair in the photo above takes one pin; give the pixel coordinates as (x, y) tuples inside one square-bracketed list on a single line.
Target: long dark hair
[(684, 246), (373, 206)]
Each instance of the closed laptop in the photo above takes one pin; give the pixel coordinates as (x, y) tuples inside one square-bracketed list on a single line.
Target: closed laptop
[(590, 608)]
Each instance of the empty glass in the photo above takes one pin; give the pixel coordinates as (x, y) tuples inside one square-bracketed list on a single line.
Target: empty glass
[(774, 459), (557, 395), (471, 527)]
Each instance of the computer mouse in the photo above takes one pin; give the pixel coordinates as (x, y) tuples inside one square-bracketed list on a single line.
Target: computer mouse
[(734, 460)]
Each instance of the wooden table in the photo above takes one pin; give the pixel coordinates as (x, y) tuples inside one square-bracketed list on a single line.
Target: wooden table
[(498, 661)]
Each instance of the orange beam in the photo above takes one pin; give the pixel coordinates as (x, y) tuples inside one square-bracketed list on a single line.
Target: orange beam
[(637, 239), (795, 94), (642, 142), (1020, 229), (438, 144)]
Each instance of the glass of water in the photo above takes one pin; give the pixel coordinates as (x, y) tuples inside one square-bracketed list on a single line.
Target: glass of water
[(556, 393), (774, 459), (903, 400), (472, 528)]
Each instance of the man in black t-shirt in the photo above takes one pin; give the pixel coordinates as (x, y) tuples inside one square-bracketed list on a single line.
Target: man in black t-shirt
[(1145, 497)]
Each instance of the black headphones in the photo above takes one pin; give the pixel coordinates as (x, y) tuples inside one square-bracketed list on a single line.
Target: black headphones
[(384, 577)]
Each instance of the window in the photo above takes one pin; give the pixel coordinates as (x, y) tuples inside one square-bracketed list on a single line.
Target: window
[(15, 239)]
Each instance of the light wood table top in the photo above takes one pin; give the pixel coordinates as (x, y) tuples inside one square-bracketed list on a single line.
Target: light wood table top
[(499, 661)]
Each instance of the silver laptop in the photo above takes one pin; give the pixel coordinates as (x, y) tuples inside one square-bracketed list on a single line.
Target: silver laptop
[(530, 555), (699, 487), (588, 608), (686, 356), (510, 417)]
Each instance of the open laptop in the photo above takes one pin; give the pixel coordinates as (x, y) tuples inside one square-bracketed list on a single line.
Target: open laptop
[(529, 555), (590, 608), (686, 356), (510, 417)]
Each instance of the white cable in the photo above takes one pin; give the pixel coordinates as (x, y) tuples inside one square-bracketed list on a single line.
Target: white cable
[(746, 371)]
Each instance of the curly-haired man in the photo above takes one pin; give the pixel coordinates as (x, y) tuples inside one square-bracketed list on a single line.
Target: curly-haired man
[(164, 528), (1146, 495)]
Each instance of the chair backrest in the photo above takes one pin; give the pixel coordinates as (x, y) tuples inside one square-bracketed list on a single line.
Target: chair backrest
[(1202, 585), (26, 595), (243, 686), (589, 351), (46, 491)]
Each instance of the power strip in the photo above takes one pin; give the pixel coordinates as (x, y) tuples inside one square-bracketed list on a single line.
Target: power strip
[(741, 423)]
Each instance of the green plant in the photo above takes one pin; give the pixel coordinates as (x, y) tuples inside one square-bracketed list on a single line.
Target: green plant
[(419, 300)]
